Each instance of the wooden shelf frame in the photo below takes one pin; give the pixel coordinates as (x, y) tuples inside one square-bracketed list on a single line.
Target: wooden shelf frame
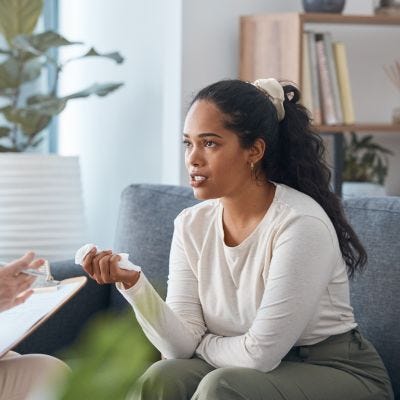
[(325, 18), (368, 127)]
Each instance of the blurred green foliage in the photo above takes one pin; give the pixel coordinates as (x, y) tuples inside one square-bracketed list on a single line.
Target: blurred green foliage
[(110, 355)]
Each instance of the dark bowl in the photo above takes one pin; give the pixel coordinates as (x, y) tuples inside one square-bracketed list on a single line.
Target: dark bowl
[(324, 6)]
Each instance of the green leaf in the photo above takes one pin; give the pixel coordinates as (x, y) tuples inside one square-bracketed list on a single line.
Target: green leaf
[(47, 105), (9, 74), (4, 131), (13, 73), (99, 89), (19, 17), (116, 56), (39, 43), (30, 121)]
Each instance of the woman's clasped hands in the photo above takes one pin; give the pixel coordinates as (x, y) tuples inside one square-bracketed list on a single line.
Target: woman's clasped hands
[(103, 267)]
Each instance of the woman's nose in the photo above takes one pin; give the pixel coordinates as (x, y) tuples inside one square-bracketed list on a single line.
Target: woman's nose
[(193, 156)]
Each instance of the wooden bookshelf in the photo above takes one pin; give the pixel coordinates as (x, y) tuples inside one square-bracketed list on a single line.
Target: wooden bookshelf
[(271, 46)]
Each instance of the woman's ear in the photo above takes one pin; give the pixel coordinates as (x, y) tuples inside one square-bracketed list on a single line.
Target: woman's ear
[(257, 150)]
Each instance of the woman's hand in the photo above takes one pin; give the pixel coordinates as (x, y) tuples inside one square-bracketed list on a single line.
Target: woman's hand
[(103, 268), (14, 284)]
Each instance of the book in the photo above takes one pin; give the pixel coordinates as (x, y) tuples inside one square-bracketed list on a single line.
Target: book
[(315, 91), (307, 99), (339, 52), (326, 92), (327, 37), (18, 322)]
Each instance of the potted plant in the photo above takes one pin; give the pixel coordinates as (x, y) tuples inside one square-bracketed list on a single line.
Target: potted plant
[(40, 194), (365, 167)]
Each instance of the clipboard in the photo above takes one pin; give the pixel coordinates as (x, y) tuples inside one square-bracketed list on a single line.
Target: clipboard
[(19, 322)]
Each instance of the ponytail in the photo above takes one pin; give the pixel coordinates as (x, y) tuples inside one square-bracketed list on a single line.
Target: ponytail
[(302, 166)]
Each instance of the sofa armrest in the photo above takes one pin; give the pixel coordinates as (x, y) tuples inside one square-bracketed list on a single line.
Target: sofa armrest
[(62, 328)]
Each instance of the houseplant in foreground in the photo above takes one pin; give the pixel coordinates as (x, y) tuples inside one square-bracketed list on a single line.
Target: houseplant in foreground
[(41, 205), (366, 166)]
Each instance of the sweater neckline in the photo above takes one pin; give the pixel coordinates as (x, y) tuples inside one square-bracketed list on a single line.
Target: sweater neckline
[(263, 220)]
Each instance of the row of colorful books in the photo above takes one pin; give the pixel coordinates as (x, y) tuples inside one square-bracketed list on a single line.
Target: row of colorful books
[(325, 80)]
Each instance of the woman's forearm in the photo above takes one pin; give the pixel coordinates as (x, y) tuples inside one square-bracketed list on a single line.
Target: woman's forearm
[(167, 331)]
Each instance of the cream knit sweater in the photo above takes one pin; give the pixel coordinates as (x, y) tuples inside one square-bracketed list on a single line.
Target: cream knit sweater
[(285, 285)]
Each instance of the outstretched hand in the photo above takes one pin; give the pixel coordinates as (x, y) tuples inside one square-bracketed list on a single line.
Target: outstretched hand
[(14, 284), (103, 268)]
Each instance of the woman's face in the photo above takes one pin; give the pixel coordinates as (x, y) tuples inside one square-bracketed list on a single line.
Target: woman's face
[(217, 165)]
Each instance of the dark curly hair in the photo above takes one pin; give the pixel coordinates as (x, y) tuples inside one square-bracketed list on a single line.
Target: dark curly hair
[(294, 153)]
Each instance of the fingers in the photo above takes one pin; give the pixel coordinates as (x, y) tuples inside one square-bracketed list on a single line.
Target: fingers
[(37, 263), (88, 261), (23, 262), (114, 268), (22, 297), (24, 284), (96, 266), (104, 265)]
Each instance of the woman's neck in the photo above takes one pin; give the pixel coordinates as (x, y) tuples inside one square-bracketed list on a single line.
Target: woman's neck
[(243, 212)]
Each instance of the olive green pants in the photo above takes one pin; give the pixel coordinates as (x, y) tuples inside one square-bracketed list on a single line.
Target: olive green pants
[(342, 367)]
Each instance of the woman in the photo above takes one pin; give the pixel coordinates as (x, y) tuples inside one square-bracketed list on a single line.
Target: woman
[(258, 296)]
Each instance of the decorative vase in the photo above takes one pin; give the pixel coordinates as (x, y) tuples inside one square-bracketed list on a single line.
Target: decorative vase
[(324, 6), (41, 206), (362, 189)]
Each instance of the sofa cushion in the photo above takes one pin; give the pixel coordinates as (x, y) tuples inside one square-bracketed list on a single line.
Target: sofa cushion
[(145, 227), (375, 292)]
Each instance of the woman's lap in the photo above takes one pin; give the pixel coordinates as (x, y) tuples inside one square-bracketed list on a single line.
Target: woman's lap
[(338, 368)]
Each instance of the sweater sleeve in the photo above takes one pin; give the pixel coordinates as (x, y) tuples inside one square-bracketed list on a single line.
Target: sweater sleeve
[(302, 263), (174, 327)]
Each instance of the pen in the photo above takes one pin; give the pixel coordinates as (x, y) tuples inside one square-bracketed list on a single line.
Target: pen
[(29, 271)]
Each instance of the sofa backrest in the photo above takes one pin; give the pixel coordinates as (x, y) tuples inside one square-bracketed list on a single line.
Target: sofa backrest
[(375, 292), (145, 230)]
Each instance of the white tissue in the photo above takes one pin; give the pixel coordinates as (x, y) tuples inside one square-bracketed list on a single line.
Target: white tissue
[(124, 263)]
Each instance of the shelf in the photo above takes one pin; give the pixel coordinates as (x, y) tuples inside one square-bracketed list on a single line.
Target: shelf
[(376, 128), (326, 18)]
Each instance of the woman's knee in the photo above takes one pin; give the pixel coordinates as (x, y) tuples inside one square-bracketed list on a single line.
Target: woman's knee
[(236, 384), (169, 379), (221, 383)]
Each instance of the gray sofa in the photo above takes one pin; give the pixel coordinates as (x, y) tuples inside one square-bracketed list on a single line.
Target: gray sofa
[(145, 230)]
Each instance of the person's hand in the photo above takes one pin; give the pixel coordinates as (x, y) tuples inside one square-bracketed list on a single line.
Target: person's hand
[(14, 284), (103, 268)]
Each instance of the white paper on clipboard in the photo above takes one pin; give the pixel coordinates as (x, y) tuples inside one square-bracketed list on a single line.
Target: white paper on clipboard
[(18, 322)]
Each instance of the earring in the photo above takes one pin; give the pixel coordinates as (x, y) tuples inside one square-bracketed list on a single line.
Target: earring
[(252, 166)]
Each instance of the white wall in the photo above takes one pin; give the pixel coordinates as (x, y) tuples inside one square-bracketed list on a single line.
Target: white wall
[(117, 137)]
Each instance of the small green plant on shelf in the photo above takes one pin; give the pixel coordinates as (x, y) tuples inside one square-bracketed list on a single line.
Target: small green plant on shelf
[(365, 160)]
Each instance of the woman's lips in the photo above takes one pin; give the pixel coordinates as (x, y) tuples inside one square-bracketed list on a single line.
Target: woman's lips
[(197, 180)]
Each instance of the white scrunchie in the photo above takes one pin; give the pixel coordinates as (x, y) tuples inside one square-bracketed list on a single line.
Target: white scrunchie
[(275, 92)]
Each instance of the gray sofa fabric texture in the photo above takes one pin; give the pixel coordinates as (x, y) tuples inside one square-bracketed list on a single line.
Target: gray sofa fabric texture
[(145, 228)]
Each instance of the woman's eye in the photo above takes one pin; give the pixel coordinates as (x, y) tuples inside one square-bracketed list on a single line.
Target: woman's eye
[(210, 143), (185, 143)]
